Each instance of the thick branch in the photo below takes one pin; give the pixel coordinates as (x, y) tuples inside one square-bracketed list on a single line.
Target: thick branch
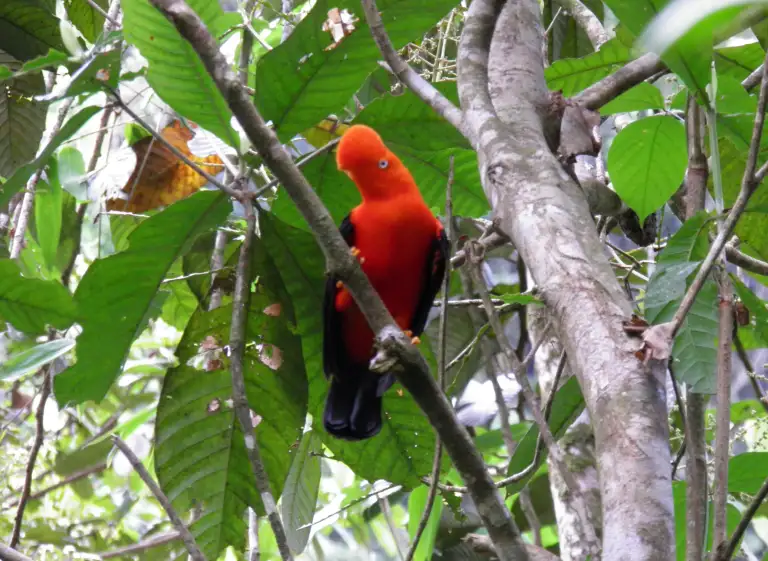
[(415, 375), (631, 74), (587, 20), (544, 213)]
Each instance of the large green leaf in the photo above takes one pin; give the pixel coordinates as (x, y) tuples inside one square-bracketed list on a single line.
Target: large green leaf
[(86, 18), (747, 472), (31, 304), (689, 61), (422, 140), (297, 507), (647, 162), (200, 460), (49, 201), (28, 28), (694, 349), (116, 292), (417, 503), (22, 120), (23, 173), (567, 405), (738, 62), (571, 75), (302, 81), (643, 96), (176, 73), (402, 452)]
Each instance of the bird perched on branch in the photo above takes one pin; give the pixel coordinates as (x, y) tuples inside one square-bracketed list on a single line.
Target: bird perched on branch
[(403, 250)]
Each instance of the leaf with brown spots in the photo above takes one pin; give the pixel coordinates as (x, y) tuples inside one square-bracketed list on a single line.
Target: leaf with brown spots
[(159, 178)]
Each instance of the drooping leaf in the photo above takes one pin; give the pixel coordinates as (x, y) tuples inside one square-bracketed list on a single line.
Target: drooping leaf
[(297, 507), (303, 80), (738, 61), (747, 472), (402, 452), (643, 96), (647, 162), (30, 304), (30, 360), (28, 28), (22, 119), (49, 202), (116, 292), (70, 172), (567, 405), (694, 350), (417, 504), (176, 73), (755, 306), (23, 173), (571, 75), (201, 460)]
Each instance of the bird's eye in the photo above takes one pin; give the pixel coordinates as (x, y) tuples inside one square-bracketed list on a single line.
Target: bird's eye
[(383, 164)]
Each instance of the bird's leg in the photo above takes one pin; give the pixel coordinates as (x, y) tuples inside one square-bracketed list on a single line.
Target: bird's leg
[(409, 334), (356, 253)]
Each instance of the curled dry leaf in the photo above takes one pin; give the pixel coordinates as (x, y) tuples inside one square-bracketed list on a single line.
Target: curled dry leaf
[(339, 24), (159, 178), (658, 340), (577, 132), (274, 310)]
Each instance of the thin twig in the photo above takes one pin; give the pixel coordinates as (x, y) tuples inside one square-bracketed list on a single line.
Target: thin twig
[(723, 429), (749, 184), (441, 368), (414, 375), (744, 357), (491, 241), (45, 392), (726, 551), (142, 546), (228, 189), (77, 476), (386, 511), (753, 79), (237, 335), (101, 11), (587, 20), (184, 533)]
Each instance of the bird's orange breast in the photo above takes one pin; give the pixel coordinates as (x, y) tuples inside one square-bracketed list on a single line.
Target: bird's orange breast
[(394, 239)]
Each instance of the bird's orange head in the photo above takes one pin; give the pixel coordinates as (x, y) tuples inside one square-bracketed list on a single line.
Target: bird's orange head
[(374, 168)]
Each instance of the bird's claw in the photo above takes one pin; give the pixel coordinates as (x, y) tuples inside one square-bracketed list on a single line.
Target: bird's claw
[(357, 253), (414, 340)]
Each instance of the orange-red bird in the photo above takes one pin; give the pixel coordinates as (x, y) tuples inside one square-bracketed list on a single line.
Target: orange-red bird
[(403, 250)]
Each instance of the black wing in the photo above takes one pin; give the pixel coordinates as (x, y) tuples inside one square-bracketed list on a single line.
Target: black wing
[(333, 353), (437, 258)]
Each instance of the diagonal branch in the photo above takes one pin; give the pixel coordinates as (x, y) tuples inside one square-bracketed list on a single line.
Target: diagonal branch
[(184, 533), (240, 302), (587, 20), (407, 75), (415, 375)]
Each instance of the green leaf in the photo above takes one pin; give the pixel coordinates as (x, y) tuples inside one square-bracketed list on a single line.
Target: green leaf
[(462, 332), (52, 59), (402, 452), (731, 97), (417, 504), (91, 455), (422, 140), (28, 28), (567, 405), (572, 75), (297, 507), (200, 460), (694, 349), (85, 17), (22, 174), (747, 472), (48, 204), (176, 73), (738, 62), (302, 81), (22, 119), (31, 304), (70, 172), (116, 292), (30, 360), (647, 162), (643, 96), (688, 59)]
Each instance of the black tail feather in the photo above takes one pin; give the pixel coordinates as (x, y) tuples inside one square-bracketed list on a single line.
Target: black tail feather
[(353, 405)]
